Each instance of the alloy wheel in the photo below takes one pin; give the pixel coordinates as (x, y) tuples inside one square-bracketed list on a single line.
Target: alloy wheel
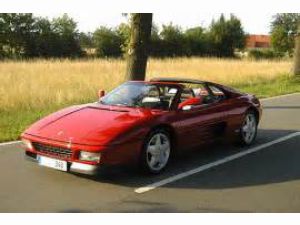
[(249, 128), (158, 151)]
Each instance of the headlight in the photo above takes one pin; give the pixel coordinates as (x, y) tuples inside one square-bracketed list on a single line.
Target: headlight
[(27, 144), (90, 156)]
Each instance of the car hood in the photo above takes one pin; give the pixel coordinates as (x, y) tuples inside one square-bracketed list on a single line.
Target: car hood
[(91, 124)]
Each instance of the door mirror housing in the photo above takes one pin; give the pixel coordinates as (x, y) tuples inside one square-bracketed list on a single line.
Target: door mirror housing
[(189, 103), (101, 93)]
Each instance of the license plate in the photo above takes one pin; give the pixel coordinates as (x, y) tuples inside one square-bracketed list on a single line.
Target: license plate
[(52, 163)]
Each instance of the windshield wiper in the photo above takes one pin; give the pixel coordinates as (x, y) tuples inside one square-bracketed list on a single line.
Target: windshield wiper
[(120, 104)]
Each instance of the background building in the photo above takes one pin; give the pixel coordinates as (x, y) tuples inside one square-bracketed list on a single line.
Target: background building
[(258, 41)]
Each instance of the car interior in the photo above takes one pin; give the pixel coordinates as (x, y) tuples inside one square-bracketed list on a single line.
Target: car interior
[(161, 97), (206, 93)]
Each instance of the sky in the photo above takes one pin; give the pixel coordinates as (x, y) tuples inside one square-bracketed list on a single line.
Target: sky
[(253, 24)]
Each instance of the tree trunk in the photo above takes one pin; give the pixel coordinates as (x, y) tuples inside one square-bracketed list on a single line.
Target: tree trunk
[(141, 24), (297, 53)]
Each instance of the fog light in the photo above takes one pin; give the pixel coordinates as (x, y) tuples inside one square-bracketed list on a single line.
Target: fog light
[(90, 156), (27, 144)]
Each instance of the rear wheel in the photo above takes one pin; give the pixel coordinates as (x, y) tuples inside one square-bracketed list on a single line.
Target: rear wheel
[(248, 130), (156, 152)]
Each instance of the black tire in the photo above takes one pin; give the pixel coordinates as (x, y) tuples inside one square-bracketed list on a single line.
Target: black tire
[(242, 140), (144, 157)]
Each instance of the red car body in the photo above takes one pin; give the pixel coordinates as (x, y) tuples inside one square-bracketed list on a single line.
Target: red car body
[(118, 132)]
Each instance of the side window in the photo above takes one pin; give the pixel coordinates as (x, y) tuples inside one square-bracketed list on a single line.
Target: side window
[(167, 96), (186, 94), (198, 91), (217, 92)]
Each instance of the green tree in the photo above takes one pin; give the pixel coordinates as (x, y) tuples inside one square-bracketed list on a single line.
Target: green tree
[(64, 25), (15, 33), (67, 37), (86, 40), (197, 41), (42, 39), (156, 46), (4, 29), (283, 30), (226, 36), (107, 42), (173, 42), (123, 30)]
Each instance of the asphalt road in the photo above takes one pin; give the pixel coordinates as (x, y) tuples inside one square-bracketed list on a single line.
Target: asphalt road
[(267, 180)]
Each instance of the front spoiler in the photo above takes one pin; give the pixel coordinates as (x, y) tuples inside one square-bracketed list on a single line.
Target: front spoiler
[(74, 167)]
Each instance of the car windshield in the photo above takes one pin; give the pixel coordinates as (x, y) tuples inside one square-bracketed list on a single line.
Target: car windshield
[(146, 95)]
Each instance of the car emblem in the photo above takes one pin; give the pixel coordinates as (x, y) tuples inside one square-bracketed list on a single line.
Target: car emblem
[(69, 145), (60, 133)]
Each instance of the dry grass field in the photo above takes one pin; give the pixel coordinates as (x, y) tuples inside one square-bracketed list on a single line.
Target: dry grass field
[(31, 89)]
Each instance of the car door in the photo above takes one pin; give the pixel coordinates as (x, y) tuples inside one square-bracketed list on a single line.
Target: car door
[(233, 108), (202, 123)]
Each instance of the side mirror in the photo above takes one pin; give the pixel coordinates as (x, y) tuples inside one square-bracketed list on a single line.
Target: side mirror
[(187, 104), (101, 93)]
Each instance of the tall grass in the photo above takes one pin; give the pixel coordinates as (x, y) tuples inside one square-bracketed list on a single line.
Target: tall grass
[(31, 89), (43, 83)]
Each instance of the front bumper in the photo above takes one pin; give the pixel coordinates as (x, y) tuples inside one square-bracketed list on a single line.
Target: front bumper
[(75, 167)]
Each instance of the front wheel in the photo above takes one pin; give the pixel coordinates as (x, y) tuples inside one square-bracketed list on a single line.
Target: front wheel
[(156, 152), (248, 130)]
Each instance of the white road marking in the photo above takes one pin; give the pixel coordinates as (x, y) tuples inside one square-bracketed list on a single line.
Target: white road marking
[(213, 164), (9, 143)]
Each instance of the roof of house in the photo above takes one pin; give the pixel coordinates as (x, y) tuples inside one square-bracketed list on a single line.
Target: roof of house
[(259, 38)]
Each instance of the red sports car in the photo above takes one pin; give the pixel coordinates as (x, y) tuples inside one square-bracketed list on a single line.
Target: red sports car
[(142, 122)]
